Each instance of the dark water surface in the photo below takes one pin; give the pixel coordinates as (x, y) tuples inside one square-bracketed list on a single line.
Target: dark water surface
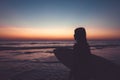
[(34, 60)]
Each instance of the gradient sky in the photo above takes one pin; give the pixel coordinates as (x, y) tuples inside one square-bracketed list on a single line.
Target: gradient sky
[(57, 19)]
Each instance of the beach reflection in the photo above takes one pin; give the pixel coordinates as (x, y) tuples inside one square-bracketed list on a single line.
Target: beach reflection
[(31, 55)]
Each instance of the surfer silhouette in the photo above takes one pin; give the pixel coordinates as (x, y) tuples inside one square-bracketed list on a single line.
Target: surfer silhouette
[(81, 60), (87, 66), (82, 64)]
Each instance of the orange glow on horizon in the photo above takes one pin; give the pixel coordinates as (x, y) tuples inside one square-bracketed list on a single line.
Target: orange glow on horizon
[(100, 33), (25, 33), (35, 33)]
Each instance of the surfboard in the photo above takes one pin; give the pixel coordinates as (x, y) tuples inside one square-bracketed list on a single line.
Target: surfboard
[(102, 68), (65, 56)]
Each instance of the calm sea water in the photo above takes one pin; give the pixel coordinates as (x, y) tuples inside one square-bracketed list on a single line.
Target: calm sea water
[(43, 50), (35, 60)]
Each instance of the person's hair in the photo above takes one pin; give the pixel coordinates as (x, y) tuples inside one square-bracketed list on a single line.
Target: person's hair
[(80, 34)]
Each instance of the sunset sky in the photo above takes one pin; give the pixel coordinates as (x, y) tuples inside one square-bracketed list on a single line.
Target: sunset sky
[(57, 19)]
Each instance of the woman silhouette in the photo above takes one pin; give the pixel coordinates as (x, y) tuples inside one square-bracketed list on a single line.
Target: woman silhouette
[(81, 64)]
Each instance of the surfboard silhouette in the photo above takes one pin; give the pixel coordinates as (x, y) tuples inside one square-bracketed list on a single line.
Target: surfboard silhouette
[(65, 56), (103, 69)]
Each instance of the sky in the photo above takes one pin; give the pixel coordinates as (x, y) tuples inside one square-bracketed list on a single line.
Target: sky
[(57, 19)]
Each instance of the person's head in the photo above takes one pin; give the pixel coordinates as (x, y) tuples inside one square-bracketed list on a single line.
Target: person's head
[(80, 34)]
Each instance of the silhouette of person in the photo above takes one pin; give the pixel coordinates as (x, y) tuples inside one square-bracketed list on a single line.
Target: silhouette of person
[(87, 66), (81, 64)]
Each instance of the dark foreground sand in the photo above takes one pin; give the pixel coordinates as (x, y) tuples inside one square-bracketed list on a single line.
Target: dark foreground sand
[(32, 70)]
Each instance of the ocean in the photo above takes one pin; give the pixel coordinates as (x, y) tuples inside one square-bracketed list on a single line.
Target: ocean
[(35, 60)]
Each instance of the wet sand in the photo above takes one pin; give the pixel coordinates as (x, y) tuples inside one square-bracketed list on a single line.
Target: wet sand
[(32, 70)]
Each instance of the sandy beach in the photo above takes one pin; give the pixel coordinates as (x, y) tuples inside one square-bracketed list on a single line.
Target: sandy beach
[(32, 70)]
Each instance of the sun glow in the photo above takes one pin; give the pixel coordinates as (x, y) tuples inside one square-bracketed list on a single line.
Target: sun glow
[(35, 33), (25, 33), (102, 33)]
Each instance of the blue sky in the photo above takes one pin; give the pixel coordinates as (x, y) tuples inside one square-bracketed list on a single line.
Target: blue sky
[(97, 14)]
